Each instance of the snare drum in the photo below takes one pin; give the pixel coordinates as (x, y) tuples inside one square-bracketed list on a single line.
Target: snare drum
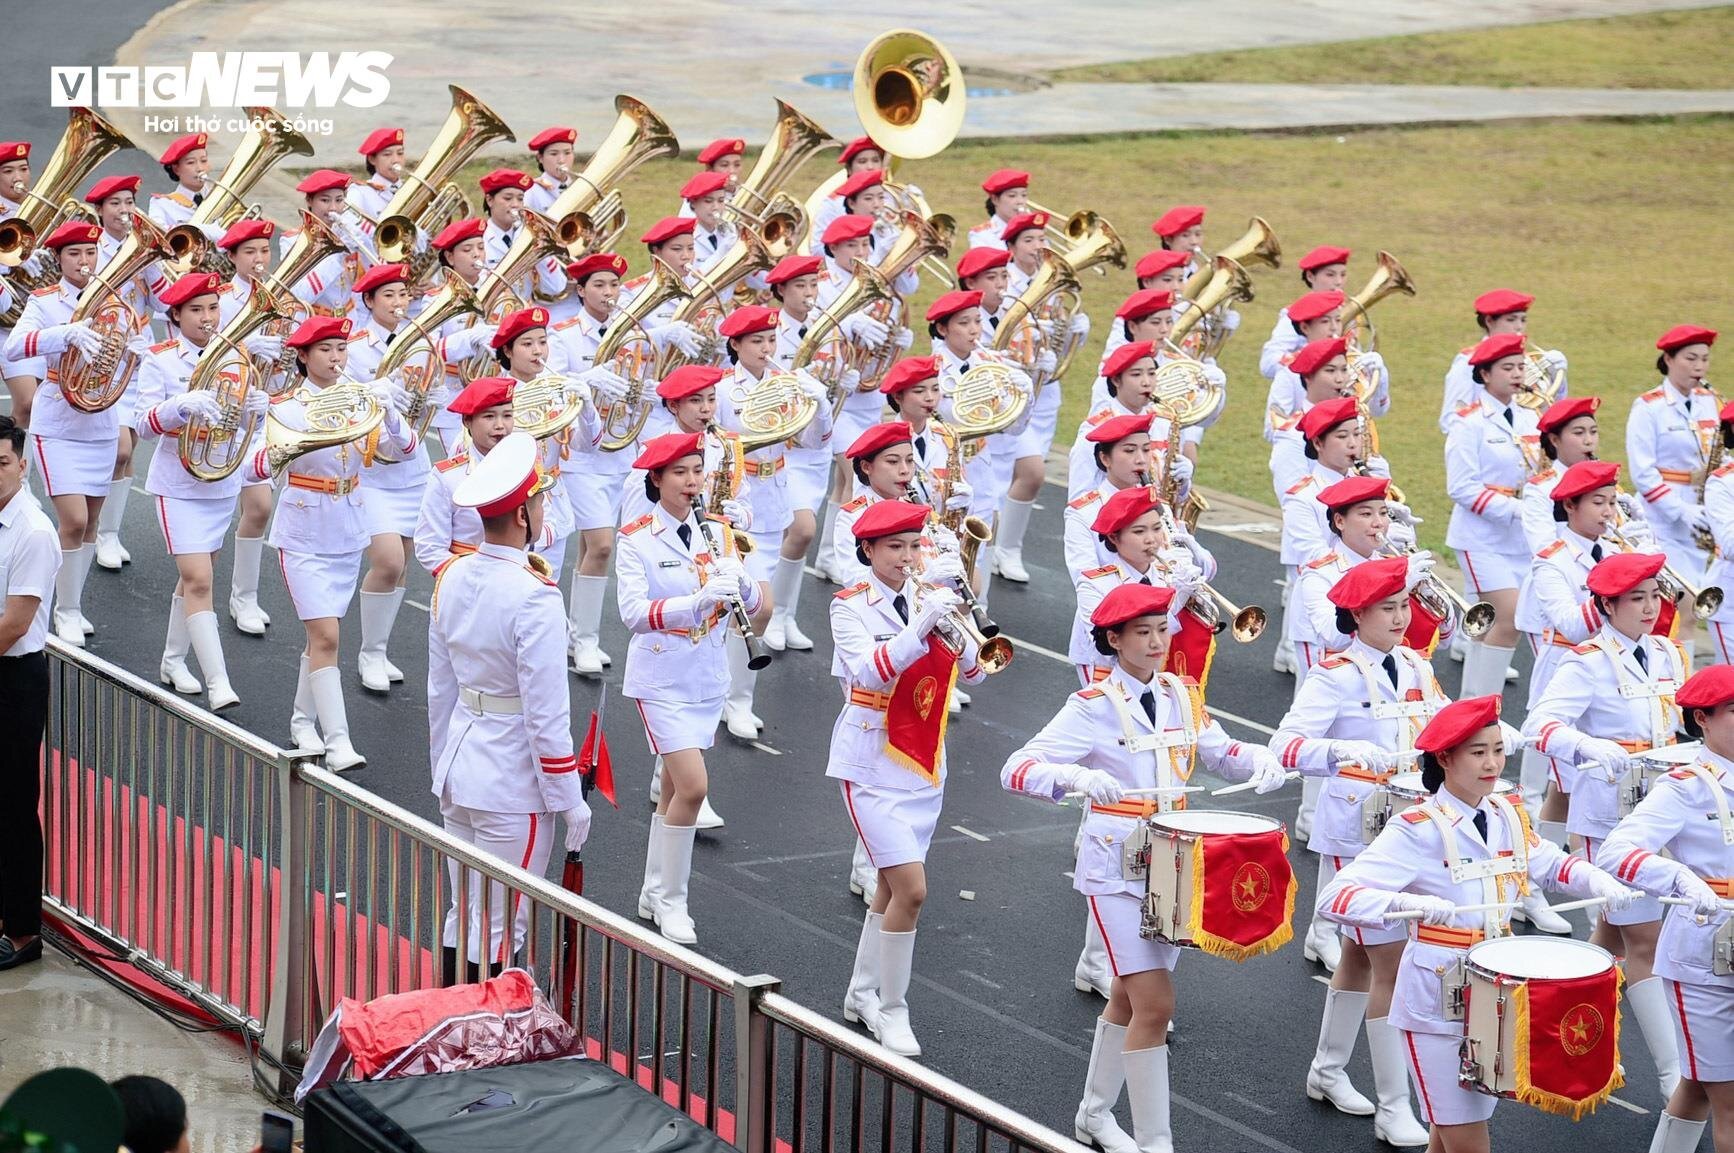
[(1401, 790), (1493, 971), (1218, 881)]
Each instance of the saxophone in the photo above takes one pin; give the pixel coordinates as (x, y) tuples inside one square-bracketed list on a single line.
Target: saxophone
[(1703, 537)]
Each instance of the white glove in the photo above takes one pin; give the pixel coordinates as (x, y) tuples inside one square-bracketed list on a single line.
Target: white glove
[(934, 605), (578, 393), (961, 495), (1629, 507), (264, 346), (944, 540), (1080, 324), (1402, 513), (865, 330), (1022, 382), (730, 575), (1615, 894), (1433, 910), (1512, 737), (199, 405), (1371, 365), (1267, 775), (1183, 575), (1364, 753), (139, 344), (712, 595), (1704, 900), (1400, 536), (850, 381), (1230, 320), (606, 386), (1046, 362), (946, 566), (35, 263), (1613, 761), (80, 336), (388, 394), (1554, 359), (256, 403), (1101, 787), (577, 822), (903, 338), (1379, 466), (1215, 376), (1183, 467), (739, 514), (811, 385), (1638, 534), (480, 336), (1697, 520), (678, 333), (1421, 566)]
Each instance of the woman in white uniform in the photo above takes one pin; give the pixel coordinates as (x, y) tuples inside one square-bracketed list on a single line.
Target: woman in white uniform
[(1679, 843), (444, 528), (1403, 871), (1499, 312), (194, 514), (1670, 440), (1324, 269), (521, 349), (676, 594), (1086, 750), (1008, 190)]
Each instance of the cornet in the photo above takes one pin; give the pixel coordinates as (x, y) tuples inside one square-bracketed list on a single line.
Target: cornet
[(956, 631)]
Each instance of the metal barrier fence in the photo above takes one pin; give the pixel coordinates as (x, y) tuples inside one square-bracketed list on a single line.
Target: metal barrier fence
[(265, 889)]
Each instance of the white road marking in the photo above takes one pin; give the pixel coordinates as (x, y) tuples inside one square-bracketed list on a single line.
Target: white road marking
[(417, 605), (980, 978), (1249, 526), (1251, 1104), (969, 833)]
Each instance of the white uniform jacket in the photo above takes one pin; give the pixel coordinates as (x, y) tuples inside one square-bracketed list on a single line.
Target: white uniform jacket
[(162, 380), (370, 196), (499, 718), (766, 489), (51, 416), (1082, 475), (1486, 463), (1553, 606), (326, 289), (549, 276), (444, 529), (1306, 529), (990, 233), (1682, 826), (543, 193), (1282, 344), (1093, 585), (168, 209), (1536, 508), (1719, 507), (1669, 438), (1105, 727), (1460, 389)]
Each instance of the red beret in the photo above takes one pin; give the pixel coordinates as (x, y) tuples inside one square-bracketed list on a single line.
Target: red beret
[(1178, 220), (1353, 490), (1683, 334), (72, 232), (1457, 722), (884, 517), (1144, 302), (1622, 572), (1315, 354), (1156, 263), (879, 436), (181, 146), (517, 323), (1710, 686), (1129, 602), (482, 393), (847, 228), (191, 285), (322, 180), (459, 231), (596, 262), (1368, 583), (505, 178), (1003, 179), (1123, 508), (1562, 412), (979, 260), (1585, 476), (317, 328), (717, 149), (380, 138), (1126, 356), (689, 379), (952, 303), (1727, 413), (556, 135), (110, 186), (14, 150), (1322, 256), (1496, 347), (1326, 415), (1117, 428), (703, 184), (668, 228), (1501, 301), (1023, 222), (1313, 305), (909, 372), (662, 451), (793, 265), (867, 178), (748, 320), (245, 229), (857, 146), (380, 275)]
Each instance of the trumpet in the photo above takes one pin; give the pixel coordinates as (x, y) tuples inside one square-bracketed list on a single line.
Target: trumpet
[(957, 631), (1216, 612), (1441, 600), (1705, 601), (976, 531)]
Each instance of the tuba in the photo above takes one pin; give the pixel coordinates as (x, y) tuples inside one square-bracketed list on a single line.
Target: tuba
[(338, 415), (794, 140), (428, 199), (313, 244), (909, 93), (918, 239), (1257, 246), (1388, 279), (1055, 296), (92, 385), (226, 198), (89, 139), (632, 353), (414, 362), (213, 451), (638, 135), (1182, 385), (754, 250)]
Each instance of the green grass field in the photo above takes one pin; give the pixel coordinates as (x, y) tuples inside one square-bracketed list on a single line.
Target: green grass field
[(1681, 49)]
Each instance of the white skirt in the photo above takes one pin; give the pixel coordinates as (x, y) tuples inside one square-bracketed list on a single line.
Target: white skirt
[(809, 472), (1117, 916), (895, 825), (861, 411), (392, 510), (672, 726), (1038, 435), (320, 584), (595, 496), (74, 467), (191, 526), (989, 476), (1642, 911), (1490, 571), (1433, 1064), (761, 563), (1334, 863), (1703, 1029)]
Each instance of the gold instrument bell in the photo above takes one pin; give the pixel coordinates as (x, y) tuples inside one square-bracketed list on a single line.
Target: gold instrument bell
[(909, 93)]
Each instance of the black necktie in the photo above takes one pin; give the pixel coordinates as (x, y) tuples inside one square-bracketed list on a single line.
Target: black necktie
[(1145, 579), (1596, 551), (921, 446), (602, 330), (685, 534), (993, 322), (1481, 825), (1390, 663), (964, 367), (714, 241), (801, 331), (198, 198), (389, 337), (902, 606), (1508, 417), (1642, 657), (506, 239), (1148, 700)]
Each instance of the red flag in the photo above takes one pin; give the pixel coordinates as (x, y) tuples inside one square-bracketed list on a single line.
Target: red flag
[(1567, 1041), (1191, 649), (1666, 619), (593, 760), (915, 719), (1243, 893), (1423, 634)]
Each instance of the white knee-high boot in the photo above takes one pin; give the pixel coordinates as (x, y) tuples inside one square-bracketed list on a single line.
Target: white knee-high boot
[(1532, 776), (650, 893), (86, 557), (208, 648), (1649, 1004), (1147, 1086), (861, 1002), (1394, 1122), (111, 554), (1328, 1078), (378, 614), (782, 632), (896, 965), (1094, 1123), (1094, 972), (244, 587), (828, 526), (586, 616), (303, 729), (327, 688), (1484, 670), (863, 877), (68, 593), (1676, 1135), (738, 707), (1323, 943), (672, 917), (1311, 789), (173, 670), (1008, 541)]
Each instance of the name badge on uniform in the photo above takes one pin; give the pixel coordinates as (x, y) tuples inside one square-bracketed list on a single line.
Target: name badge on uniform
[(1498, 438), (667, 564)]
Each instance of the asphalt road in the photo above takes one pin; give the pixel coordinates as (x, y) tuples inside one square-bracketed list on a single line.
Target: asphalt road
[(993, 1003)]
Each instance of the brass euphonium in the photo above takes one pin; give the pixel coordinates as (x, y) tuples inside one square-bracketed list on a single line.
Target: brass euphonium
[(1054, 295), (918, 239), (338, 414), (428, 198), (413, 361), (909, 93), (1541, 382), (794, 140), (638, 135), (1182, 384), (93, 384), (538, 239), (226, 197), (1255, 247), (89, 139), (866, 288), (629, 350), (756, 249), (213, 450), (314, 243), (1388, 279)]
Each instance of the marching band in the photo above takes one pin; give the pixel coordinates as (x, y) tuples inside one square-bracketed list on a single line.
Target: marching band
[(692, 429)]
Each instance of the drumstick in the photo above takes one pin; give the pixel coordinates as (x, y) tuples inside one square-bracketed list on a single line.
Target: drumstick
[(1406, 755), (1415, 914), (1149, 792), (1245, 785), (1724, 902)]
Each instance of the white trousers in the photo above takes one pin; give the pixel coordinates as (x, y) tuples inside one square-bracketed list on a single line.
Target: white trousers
[(522, 839)]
